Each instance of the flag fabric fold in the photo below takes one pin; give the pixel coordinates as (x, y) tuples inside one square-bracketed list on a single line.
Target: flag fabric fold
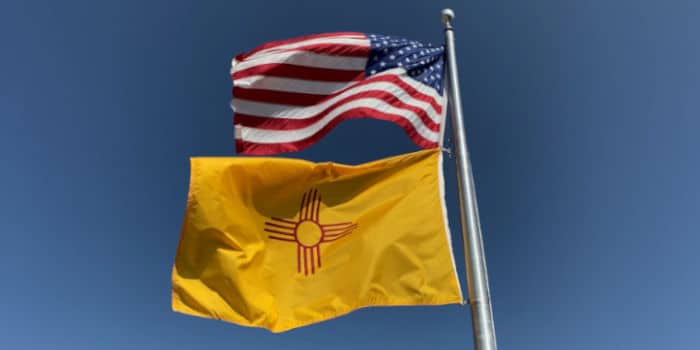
[(281, 243), (288, 94)]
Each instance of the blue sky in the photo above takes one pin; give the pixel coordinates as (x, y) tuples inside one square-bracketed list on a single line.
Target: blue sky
[(583, 124)]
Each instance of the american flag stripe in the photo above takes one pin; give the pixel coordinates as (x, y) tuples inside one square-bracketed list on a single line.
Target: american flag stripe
[(264, 82), (296, 123), (305, 40), (306, 59), (286, 134), (285, 97), (288, 94), (346, 47), (410, 94), (337, 49), (418, 92), (307, 115), (273, 143), (291, 71), (426, 117), (325, 91), (270, 116)]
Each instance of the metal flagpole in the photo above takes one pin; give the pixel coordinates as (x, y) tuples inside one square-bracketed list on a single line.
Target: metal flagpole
[(477, 277)]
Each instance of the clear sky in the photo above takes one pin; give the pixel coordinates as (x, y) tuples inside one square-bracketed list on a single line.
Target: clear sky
[(582, 120)]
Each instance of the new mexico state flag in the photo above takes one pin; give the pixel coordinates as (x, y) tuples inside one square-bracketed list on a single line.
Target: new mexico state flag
[(281, 243)]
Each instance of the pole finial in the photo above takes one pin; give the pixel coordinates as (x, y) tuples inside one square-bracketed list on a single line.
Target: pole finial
[(447, 17)]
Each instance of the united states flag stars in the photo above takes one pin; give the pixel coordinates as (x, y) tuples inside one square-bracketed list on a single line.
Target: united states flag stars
[(422, 62)]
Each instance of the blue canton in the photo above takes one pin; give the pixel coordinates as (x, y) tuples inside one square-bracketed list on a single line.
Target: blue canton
[(423, 63)]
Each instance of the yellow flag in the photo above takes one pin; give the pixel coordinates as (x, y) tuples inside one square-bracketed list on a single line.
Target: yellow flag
[(281, 243)]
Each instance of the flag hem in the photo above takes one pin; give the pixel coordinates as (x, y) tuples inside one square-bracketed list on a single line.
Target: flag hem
[(443, 204), (428, 301)]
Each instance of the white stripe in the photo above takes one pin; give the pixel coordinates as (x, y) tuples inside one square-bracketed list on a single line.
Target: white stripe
[(290, 85), (342, 40), (266, 136), (303, 58), (294, 112)]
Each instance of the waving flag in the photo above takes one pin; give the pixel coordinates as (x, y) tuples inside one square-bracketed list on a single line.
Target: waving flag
[(288, 94), (282, 243)]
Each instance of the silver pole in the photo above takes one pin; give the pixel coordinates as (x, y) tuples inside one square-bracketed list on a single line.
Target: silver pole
[(477, 277)]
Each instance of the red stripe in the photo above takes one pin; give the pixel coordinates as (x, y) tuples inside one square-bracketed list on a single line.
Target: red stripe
[(279, 232), (292, 71), (333, 49), (280, 226), (282, 123), (244, 147), (301, 99), (318, 254), (312, 206), (318, 207), (284, 220), (272, 44), (281, 97)]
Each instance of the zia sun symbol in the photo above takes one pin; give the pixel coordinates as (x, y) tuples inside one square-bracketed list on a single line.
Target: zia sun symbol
[(307, 232)]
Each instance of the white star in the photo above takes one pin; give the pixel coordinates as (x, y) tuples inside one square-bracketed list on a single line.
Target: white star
[(382, 63), (373, 71), (400, 64), (400, 52), (392, 57)]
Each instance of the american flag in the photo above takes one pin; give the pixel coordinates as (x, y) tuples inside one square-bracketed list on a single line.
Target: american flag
[(288, 94)]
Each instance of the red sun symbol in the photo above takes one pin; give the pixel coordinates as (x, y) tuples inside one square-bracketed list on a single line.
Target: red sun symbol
[(307, 232)]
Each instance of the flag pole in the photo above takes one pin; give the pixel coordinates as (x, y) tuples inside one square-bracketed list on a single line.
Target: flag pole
[(477, 276)]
